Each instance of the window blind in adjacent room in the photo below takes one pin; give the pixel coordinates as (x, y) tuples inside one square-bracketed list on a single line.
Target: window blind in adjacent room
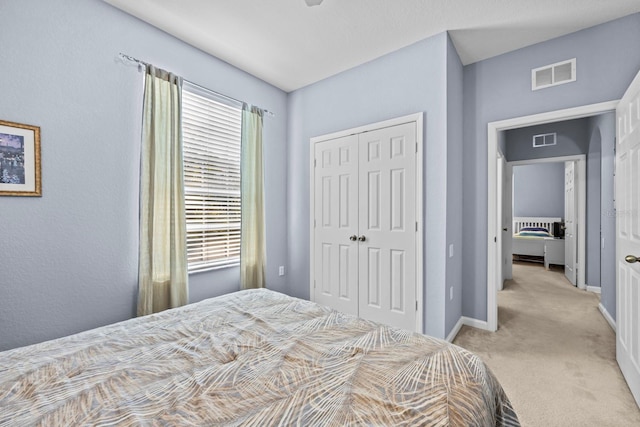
[(212, 129)]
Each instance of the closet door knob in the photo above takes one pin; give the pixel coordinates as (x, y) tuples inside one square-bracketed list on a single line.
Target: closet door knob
[(362, 238), (631, 259), (353, 237)]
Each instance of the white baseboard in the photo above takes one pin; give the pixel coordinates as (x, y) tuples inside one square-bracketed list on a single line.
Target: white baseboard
[(607, 316), (482, 324), (455, 330), (594, 289), (474, 323)]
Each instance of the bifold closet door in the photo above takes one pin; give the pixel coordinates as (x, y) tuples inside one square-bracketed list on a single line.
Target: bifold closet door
[(365, 225), (387, 226), (336, 224)]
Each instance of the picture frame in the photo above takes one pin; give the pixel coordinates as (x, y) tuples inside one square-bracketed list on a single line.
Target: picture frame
[(20, 160)]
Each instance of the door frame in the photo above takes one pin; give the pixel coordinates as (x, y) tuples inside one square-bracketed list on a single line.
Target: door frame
[(493, 204), (501, 166), (418, 119), (507, 221), (581, 194)]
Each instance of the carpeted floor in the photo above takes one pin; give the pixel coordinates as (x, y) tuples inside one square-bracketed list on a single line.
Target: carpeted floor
[(554, 353)]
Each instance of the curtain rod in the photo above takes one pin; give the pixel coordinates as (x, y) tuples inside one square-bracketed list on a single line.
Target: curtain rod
[(127, 58)]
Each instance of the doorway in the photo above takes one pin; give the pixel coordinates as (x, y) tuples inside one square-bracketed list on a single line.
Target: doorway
[(548, 204), (494, 206)]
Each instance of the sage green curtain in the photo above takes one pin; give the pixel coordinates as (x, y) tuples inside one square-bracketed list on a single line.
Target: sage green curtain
[(252, 246), (163, 279)]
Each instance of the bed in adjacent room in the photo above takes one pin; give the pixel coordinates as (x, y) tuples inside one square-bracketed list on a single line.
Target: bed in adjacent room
[(253, 357), (529, 235)]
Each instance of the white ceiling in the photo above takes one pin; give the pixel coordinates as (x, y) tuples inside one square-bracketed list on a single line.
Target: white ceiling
[(291, 45)]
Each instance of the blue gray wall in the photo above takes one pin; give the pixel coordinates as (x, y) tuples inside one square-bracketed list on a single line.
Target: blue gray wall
[(72, 264), (500, 88), (410, 80), (593, 213), (69, 259), (454, 188), (603, 128), (538, 190), (571, 139)]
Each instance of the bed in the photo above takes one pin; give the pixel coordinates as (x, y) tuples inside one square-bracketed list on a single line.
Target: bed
[(253, 357), (528, 237)]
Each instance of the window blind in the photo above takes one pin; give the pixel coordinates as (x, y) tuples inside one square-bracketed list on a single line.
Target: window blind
[(211, 129)]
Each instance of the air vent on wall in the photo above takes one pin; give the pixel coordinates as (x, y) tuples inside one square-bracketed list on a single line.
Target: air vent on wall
[(554, 74), (544, 139)]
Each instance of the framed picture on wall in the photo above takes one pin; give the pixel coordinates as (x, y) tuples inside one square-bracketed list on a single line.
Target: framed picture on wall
[(19, 160)]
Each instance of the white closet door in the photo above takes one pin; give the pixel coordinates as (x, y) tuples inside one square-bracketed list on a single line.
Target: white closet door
[(336, 224), (570, 215), (628, 237), (387, 225)]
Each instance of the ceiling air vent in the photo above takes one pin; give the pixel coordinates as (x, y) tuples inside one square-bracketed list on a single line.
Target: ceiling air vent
[(554, 74), (544, 139)]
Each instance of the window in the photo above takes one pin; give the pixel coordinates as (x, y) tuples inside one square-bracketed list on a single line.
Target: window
[(211, 127)]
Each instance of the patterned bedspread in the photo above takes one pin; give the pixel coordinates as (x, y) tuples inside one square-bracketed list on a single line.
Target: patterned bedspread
[(253, 358)]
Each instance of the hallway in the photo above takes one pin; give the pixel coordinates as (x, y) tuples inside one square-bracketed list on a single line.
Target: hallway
[(554, 353)]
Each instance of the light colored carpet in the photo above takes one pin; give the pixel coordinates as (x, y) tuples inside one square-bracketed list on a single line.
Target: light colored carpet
[(554, 353)]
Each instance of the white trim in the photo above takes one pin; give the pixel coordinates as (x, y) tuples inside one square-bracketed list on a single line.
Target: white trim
[(594, 289), (466, 321), (500, 171), (418, 119), (607, 317), (492, 148), (454, 332), (560, 159), (582, 224), (475, 323), (312, 220)]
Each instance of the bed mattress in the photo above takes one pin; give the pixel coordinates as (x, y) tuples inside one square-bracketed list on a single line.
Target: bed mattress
[(249, 358)]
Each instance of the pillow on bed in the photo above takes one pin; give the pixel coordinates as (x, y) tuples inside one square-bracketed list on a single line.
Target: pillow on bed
[(534, 229), (533, 232)]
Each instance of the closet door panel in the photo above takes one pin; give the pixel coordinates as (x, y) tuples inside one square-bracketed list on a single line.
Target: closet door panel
[(387, 224), (335, 224)]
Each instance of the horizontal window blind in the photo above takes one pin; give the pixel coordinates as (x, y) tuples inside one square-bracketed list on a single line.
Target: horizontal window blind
[(212, 137)]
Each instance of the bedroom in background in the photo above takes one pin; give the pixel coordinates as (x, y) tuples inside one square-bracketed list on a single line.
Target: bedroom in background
[(540, 190), (582, 133), (538, 195)]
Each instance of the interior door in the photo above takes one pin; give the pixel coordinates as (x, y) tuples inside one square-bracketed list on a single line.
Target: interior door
[(570, 214), (387, 223), (336, 224), (627, 199)]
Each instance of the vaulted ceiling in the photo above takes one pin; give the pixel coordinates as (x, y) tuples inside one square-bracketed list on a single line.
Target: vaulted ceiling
[(291, 45)]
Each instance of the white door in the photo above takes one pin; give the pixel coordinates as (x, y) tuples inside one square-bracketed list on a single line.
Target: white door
[(570, 215), (387, 226), (336, 224), (628, 237)]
